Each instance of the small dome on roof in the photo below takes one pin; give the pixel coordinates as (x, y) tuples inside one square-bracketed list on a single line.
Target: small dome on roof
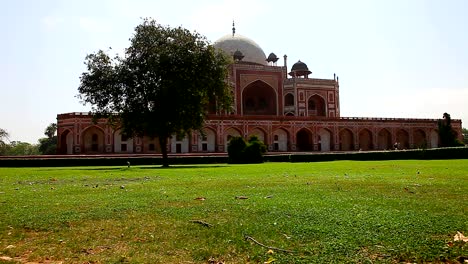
[(238, 56), (272, 57), (299, 69), (250, 50)]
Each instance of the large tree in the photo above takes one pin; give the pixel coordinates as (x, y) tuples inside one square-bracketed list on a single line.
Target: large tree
[(448, 136), (161, 86)]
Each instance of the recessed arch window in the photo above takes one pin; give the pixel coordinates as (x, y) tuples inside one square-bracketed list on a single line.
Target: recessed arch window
[(316, 106), (289, 100)]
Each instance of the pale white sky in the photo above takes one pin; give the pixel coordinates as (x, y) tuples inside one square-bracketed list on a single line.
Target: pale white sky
[(398, 58)]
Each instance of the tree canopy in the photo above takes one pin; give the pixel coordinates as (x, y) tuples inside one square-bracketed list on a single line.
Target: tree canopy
[(48, 145), (448, 136), (161, 86), (3, 138)]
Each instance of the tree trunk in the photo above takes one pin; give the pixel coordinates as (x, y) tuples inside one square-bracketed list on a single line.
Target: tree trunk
[(163, 143)]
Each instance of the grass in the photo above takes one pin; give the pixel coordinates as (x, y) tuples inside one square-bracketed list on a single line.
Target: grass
[(346, 211)]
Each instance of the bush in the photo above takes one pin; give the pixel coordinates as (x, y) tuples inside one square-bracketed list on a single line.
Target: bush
[(236, 148), (241, 152)]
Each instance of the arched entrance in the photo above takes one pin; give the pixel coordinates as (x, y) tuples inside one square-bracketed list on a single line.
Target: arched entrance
[(419, 137), (259, 98), (324, 139), (346, 140), (384, 139), (93, 140), (304, 140), (365, 140), (316, 106)]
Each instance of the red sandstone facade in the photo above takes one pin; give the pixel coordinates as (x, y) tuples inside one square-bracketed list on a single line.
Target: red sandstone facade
[(289, 113)]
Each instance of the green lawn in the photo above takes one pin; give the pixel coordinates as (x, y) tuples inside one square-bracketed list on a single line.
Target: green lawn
[(345, 211)]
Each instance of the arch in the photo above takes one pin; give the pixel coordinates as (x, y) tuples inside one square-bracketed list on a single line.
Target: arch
[(304, 140), (346, 140), (365, 139), (228, 133), (179, 144), (289, 99), (122, 144), (207, 142), (280, 140), (434, 139), (289, 114), (66, 142), (419, 138), (325, 141), (384, 140), (151, 145), (259, 98), (402, 139), (93, 140), (316, 106), (259, 133)]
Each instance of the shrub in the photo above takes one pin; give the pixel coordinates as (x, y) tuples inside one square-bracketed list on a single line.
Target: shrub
[(241, 152), (236, 148)]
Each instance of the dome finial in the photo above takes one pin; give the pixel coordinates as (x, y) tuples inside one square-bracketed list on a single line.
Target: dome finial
[(233, 28)]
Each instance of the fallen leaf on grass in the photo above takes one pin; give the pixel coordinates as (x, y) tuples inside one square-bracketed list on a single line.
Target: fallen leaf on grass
[(270, 260), (242, 197), (270, 251), (200, 199), (460, 237)]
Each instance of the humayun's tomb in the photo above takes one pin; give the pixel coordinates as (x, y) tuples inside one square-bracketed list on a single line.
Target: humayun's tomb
[(288, 110)]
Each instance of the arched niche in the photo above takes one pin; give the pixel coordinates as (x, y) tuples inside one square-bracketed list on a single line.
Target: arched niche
[(384, 140), (230, 133), (419, 138), (66, 142), (434, 139), (316, 106), (325, 141), (179, 144), (365, 139), (280, 140), (402, 139), (151, 145), (207, 141), (261, 135), (259, 98), (93, 140), (289, 99), (122, 144), (346, 140)]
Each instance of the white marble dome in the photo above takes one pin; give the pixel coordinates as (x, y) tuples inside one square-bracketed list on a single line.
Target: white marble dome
[(251, 50)]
